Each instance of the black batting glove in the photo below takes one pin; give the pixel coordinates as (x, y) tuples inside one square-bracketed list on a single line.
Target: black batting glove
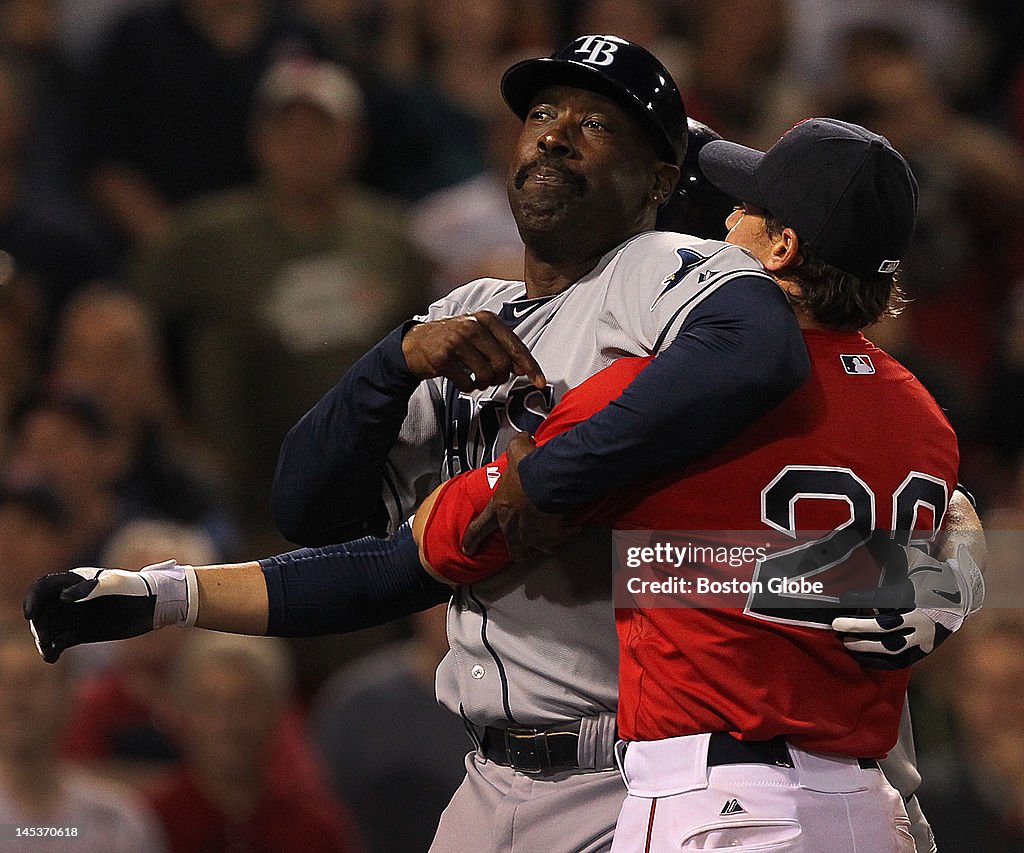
[(93, 605)]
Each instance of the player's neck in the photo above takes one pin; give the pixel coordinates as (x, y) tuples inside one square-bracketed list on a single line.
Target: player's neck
[(792, 290), (806, 321), (546, 278)]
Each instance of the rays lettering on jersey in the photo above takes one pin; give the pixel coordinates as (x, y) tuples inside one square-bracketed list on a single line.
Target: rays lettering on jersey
[(688, 260), (478, 428)]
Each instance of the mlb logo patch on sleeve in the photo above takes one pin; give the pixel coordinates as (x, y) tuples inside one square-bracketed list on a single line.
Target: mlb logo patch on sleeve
[(857, 364)]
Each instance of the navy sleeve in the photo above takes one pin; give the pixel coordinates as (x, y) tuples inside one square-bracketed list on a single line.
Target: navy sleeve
[(348, 587), (327, 487), (737, 356)]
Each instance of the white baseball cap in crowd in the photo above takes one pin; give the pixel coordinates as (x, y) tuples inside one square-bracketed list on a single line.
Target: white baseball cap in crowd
[(319, 83)]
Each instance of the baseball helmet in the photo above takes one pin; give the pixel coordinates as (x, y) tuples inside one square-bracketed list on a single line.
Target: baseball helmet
[(697, 207), (616, 68)]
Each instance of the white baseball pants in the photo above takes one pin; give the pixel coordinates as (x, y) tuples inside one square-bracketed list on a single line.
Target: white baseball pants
[(823, 804)]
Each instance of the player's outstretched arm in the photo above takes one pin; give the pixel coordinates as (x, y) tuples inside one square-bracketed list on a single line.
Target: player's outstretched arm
[(938, 594), (92, 604), (310, 592)]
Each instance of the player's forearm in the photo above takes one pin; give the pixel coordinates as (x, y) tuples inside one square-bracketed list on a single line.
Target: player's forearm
[(347, 586), (300, 594), (232, 598), (331, 466)]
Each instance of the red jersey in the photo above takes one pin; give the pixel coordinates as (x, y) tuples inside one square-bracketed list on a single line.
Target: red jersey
[(861, 445)]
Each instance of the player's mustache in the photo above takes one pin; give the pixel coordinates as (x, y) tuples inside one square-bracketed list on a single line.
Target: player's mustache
[(574, 179)]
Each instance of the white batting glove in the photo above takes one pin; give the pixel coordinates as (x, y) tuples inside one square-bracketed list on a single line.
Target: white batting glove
[(914, 616), (92, 605)]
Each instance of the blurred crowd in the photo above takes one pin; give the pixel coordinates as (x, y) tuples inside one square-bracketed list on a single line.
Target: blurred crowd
[(210, 208)]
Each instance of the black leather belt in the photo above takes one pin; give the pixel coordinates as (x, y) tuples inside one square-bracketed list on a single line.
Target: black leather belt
[(533, 750), (547, 750), (725, 749)]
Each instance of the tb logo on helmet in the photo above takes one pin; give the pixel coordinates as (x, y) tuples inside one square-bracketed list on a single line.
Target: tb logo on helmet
[(601, 51)]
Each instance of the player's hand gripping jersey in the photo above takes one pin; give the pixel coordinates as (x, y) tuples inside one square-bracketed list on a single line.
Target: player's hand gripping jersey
[(822, 460)]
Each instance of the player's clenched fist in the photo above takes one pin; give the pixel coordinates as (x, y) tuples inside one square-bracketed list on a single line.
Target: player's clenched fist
[(474, 351), (91, 605)]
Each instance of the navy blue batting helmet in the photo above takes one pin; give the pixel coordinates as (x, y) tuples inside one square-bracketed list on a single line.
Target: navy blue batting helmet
[(616, 68)]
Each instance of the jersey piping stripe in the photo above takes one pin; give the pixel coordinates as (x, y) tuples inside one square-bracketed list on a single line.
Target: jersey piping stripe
[(712, 283), (438, 396), (494, 656), (390, 483), (444, 413), (470, 728)]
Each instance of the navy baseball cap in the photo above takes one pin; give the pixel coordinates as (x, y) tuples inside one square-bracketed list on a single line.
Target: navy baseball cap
[(848, 194), (625, 72)]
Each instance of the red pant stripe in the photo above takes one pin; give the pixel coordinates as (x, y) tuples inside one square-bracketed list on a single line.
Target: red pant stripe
[(650, 825)]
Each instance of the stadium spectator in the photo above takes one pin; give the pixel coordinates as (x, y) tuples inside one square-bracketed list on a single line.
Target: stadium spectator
[(168, 113), (466, 231), (973, 789), (943, 32), (20, 319), (36, 788), (108, 348), (28, 37), (416, 135), (113, 729), (272, 288), (735, 84), (66, 441), (34, 539), (972, 190), (82, 25), (458, 44), (228, 695), (370, 723), (49, 238)]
